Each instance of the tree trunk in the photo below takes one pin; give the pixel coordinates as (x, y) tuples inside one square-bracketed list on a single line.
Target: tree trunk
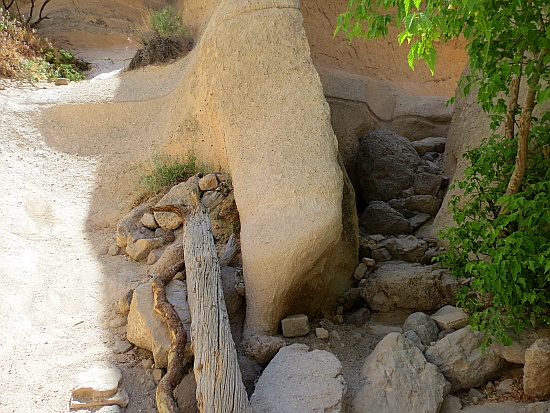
[(219, 383)]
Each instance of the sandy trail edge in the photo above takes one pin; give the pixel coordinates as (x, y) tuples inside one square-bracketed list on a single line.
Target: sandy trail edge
[(56, 290)]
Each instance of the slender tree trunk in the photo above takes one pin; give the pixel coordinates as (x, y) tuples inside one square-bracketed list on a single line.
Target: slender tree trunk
[(512, 106), (219, 383), (525, 127)]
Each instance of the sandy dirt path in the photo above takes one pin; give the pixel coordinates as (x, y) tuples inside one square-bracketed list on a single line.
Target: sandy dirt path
[(57, 288)]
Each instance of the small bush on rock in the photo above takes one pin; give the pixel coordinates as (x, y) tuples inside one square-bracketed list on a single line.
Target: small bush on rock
[(164, 38), (163, 171)]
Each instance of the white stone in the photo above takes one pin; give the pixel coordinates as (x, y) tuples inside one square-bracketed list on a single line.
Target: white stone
[(397, 378), (298, 381), (100, 385), (321, 333)]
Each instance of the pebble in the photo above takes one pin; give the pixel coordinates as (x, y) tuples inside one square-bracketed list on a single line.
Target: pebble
[(118, 322), (146, 364), (157, 374), (62, 81), (114, 250), (321, 333), (369, 262)]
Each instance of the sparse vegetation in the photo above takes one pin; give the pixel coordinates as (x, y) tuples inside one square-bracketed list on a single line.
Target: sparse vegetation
[(164, 38), (25, 56), (163, 171)]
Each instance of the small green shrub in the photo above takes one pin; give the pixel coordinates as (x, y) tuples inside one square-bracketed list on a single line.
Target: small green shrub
[(164, 38), (163, 171), (64, 64)]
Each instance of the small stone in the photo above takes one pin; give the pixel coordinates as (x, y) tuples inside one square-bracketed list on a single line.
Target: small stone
[(360, 271), (114, 250), (261, 349), (490, 386), (321, 333), (359, 318), (118, 322), (451, 404), (335, 336), (222, 177), (424, 327), (505, 387), (419, 220), (125, 301), (445, 333), (99, 386), (208, 182), (211, 199), (193, 181), (295, 325), (179, 276), (450, 317), (381, 329), (339, 310), (376, 237), (413, 338), (536, 372), (139, 250), (103, 251), (148, 221), (338, 319), (62, 81), (326, 323), (369, 262), (166, 234), (475, 394), (146, 364), (381, 255), (240, 288), (157, 374), (122, 347)]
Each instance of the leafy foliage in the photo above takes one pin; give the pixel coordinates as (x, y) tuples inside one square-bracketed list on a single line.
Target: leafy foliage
[(502, 239), (25, 56)]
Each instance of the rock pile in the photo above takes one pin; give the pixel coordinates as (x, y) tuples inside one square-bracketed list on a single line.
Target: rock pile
[(400, 181)]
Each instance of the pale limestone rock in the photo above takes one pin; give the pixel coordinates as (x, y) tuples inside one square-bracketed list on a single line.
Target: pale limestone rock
[(147, 329), (129, 228), (208, 182), (100, 385), (171, 255), (140, 249), (298, 381), (399, 379), (148, 221), (295, 325), (321, 333), (461, 360), (178, 194), (536, 372), (407, 286), (450, 317)]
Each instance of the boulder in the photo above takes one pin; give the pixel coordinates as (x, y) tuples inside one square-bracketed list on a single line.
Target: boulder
[(431, 144), (208, 182), (399, 379), (536, 372), (178, 194), (515, 352), (129, 228), (461, 360), (185, 394), (298, 381), (148, 221), (147, 329), (407, 286), (421, 203), (424, 327), (386, 165), (380, 218), (140, 249), (410, 249), (450, 317)]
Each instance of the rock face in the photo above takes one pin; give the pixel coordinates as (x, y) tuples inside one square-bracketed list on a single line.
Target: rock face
[(399, 379), (147, 329), (460, 359), (386, 164), (400, 285), (298, 381), (536, 372)]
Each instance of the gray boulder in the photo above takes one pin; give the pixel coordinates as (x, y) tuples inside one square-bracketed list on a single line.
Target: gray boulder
[(421, 203), (380, 218), (424, 327), (461, 360), (298, 381), (407, 286), (386, 164), (427, 184), (399, 379), (410, 249)]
